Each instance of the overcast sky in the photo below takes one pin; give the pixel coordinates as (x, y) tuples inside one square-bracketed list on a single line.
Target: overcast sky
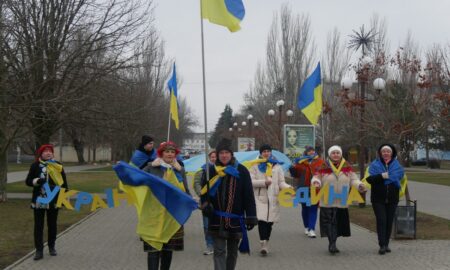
[(231, 58)]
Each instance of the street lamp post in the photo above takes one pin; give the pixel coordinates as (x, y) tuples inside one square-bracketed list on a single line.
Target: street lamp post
[(379, 84)]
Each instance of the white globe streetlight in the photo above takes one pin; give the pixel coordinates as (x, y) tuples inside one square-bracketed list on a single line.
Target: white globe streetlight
[(379, 84), (280, 103), (244, 123), (256, 123), (346, 83), (271, 112), (249, 117), (289, 113)]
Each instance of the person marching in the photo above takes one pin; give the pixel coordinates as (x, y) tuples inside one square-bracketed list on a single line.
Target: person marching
[(197, 188), (45, 170), (302, 171), (385, 175), (228, 200), (267, 179), (339, 175), (145, 153), (166, 167)]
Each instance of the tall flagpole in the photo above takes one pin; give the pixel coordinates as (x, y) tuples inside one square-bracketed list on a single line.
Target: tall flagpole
[(204, 93), (168, 128)]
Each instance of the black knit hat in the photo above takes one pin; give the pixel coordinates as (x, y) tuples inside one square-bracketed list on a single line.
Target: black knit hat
[(308, 148), (265, 147), (146, 139), (224, 144)]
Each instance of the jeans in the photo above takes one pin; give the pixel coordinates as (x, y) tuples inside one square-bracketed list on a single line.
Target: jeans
[(208, 238), (225, 253), (309, 216)]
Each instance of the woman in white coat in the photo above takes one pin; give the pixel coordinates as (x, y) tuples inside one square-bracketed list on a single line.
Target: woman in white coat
[(267, 179)]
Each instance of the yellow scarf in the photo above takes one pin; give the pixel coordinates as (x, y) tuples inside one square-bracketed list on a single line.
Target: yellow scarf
[(336, 171), (220, 173), (251, 163), (54, 171)]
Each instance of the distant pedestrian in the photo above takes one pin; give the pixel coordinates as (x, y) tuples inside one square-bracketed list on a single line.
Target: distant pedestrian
[(145, 153), (45, 170), (212, 156), (385, 174)]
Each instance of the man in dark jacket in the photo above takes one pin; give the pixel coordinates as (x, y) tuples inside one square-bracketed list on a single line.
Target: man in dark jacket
[(145, 153), (233, 211)]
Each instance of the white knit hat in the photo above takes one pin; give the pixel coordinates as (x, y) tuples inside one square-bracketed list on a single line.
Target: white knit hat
[(386, 147), (334, 148)]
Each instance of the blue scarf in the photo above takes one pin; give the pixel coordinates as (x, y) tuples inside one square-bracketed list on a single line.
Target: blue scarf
[(263, 165), (244, 247), (140, 159), (394, 169)]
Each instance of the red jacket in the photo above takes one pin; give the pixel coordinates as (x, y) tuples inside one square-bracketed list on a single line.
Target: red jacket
[(304, 171)]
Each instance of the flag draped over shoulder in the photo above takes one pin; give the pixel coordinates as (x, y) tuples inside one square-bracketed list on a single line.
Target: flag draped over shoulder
[(173, 88), (228, 13), (310, 96), (162, 208)]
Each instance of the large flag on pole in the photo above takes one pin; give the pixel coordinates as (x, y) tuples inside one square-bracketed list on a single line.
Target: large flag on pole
[(172, 84), (228, 13), (310, 96)]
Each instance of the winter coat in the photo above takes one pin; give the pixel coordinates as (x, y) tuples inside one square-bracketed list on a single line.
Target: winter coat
[(234, 195), (266, 197), (37, 171), (379, 192), (346, 178), (303, 172)]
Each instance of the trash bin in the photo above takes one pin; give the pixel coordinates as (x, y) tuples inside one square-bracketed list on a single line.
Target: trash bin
[(405, 220)]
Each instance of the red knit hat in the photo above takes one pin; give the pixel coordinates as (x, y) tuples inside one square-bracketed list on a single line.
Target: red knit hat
[(167, 146), (43, 148)]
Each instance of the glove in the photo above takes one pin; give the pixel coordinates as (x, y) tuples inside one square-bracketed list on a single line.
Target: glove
[(207, 209), (250, 227), (385, 175), (362, 188)]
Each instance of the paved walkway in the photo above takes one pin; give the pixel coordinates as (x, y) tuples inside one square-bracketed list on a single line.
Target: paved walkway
[(20, 176), (107, 240)]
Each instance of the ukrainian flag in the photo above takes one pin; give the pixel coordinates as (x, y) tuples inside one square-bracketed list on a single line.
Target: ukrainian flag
[(310, 96), (172, 84), (228, 13), (161, 206)]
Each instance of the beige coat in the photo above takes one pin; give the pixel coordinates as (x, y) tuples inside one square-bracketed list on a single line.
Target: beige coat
[(266, 198), (345, 178)]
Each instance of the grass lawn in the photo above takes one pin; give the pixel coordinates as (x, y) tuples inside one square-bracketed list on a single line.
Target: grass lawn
[(16, 238), (429, 227), (103, 169), (445, 164), (14, 167), (93, 182), (430, 177)]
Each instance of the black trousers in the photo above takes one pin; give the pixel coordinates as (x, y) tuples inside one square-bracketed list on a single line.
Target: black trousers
[(52, 216), (265, 229), (384, 213), (154, 257)]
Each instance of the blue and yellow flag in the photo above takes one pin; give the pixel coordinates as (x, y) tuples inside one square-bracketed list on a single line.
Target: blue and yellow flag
[(173, 88), (310, 96), (162, 207), (228, 13)]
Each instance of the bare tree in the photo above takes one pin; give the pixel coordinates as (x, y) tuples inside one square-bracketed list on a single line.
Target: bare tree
[(289, 56)]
